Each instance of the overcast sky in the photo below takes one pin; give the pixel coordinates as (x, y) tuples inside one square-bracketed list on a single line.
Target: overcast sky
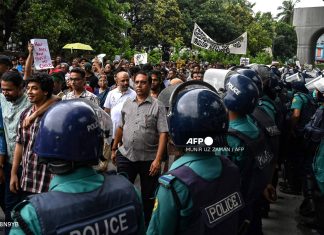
[(266, 6)]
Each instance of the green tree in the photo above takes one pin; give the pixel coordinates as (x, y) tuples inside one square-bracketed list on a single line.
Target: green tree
[(8, 12), (190, 11), (95, 22), (154, 22), (287, 11), (258, 38), (165, 25), (285, 42)]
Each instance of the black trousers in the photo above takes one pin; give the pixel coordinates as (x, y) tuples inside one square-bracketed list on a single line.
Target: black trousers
[(148, 183)]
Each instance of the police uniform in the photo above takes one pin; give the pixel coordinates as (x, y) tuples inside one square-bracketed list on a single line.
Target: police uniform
[(236, 146), (307, 106), (81, 180), (80, 200), (318, 164), (266, 104), (297, 164), (201, 192), (167, 218), (299, 101), (254, 179)]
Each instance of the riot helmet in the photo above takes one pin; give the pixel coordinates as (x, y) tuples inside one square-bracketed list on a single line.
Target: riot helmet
[(319, 86), (253, 76), (197, 112), (242, 94), (269, 79), (71, 134), (218, 78), (165, 95)]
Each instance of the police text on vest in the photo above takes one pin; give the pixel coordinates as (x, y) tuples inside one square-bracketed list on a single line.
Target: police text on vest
[(114, 225), (224, 207)]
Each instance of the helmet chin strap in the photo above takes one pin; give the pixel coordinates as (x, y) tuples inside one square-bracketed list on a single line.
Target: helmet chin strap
[(61, 167)]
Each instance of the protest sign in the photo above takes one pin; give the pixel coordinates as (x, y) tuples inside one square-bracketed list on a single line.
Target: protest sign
[(100, 57), (244, 61), (140, 58), (202, 40), (42, 57)]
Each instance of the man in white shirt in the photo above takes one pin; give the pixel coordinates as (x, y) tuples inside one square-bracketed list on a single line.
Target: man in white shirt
[(117, 97)]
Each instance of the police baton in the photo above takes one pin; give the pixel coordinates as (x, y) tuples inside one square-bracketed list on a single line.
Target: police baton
[(244, 227)]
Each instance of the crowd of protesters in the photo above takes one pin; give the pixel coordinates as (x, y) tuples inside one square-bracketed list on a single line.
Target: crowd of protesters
[(140, 142)]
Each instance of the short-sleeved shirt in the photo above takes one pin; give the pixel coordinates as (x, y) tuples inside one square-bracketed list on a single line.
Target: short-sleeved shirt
[(115, 101), (35, 177), (142, 125), (85, 94), (299, 101), (11, 112)]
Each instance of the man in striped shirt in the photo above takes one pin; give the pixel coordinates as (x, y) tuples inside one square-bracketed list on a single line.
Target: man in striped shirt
[(35, 177)]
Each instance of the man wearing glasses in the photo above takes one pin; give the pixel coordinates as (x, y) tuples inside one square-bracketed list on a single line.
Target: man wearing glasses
[(78, 81), (143, 132)]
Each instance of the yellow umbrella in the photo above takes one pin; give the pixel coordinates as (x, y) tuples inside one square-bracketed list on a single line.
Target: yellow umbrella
[(78, 46)]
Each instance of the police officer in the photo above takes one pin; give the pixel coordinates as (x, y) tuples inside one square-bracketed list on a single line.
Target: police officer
[(302, 108), (312, 208), (266, 117), (80, 200), (200, 194), (247, 145), (318, 165)]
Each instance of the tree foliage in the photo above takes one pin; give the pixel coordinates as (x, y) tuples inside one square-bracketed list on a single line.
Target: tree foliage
[(125, 26), (8, 13), (287, 11), (154, 22), (285, 42), (95, 22)]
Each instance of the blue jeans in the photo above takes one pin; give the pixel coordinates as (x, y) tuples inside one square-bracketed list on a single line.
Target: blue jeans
[(11, 199)]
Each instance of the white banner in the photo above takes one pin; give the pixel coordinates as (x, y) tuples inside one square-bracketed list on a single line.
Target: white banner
[(140, 58), (42, 57), (202, 40)]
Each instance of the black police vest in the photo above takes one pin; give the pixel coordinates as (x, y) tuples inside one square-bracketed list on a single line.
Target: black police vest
[(314, 129), (271, 133), (215, 203), (257, 168), (114, 208), (259, 153)]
